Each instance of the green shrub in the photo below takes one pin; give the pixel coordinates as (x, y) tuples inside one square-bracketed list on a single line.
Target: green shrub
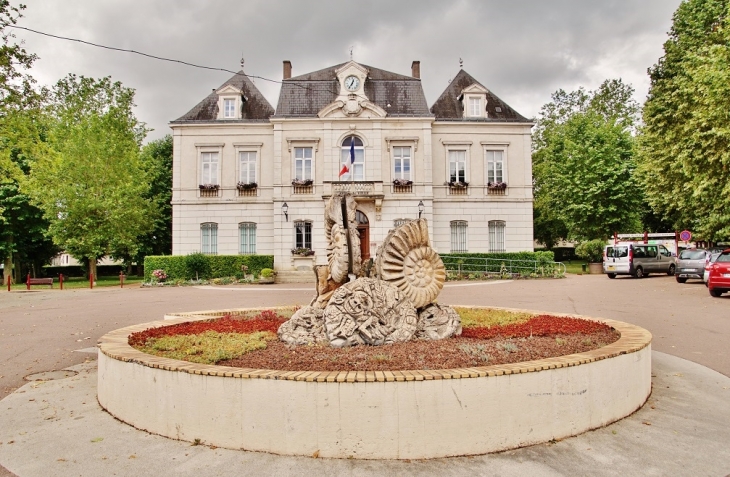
[(267, 273), (197, 266), (591, 251), (219, 265)]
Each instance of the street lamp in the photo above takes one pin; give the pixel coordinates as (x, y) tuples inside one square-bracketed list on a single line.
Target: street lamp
[(285, 211), (421, 208)]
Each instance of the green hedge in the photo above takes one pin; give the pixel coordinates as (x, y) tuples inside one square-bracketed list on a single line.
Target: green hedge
[(219, 265), (513, 261)]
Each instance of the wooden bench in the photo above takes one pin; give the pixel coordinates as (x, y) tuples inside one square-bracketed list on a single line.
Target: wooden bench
[(38, 281)]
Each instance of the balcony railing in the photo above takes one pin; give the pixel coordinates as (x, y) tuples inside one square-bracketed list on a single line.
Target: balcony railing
[(402, 189), (208, 192), (456, 190), (355, 188), (496, 191), (302, 189), (248, 192)]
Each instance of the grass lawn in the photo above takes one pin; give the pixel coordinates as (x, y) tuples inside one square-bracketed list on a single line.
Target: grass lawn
[(79, 282), (575, 266)]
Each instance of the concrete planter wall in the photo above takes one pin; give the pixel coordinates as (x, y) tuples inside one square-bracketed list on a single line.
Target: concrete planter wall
[(375, 415)]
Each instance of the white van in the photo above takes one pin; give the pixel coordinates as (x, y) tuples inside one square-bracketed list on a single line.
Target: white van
[(637, 260)]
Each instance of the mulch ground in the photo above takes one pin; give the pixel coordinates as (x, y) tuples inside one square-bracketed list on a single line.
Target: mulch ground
[(443, 354)]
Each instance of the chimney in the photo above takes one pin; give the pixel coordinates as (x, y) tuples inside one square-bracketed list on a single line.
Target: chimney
[(287, 69), (416, 69)]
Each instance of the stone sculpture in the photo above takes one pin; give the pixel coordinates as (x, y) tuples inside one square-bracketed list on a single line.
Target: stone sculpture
[(407, 261), (305, 327), (369, 311), (437, 322), (373, 311)]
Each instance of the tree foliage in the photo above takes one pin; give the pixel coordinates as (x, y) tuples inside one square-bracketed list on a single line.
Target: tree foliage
[(156, 159), (90, 184), (583, 164), (684, 156)]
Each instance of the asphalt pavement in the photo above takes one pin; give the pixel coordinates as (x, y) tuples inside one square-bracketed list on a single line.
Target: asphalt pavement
[(56, 427)]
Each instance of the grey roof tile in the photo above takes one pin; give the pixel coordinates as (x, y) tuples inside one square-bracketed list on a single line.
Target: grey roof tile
[(447, 107), (306, 95), (255, 109)]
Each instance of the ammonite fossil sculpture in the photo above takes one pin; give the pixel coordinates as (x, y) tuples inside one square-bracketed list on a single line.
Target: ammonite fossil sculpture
[(337, 256), (436, 322), (407, 261)]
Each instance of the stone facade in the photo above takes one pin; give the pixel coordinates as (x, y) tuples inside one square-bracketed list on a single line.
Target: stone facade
[(234, 136)]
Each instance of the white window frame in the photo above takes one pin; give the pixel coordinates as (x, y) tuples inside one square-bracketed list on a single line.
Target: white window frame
[(450, 146), (206, 149), (247, 238), (294, 143), (304, 159), (497, 236), (209, 238), (459, 236), (453, 152), (229, 108), (488, 162), (400, 174), (304, 223), (248, 147), (475, 106), (358, 167)]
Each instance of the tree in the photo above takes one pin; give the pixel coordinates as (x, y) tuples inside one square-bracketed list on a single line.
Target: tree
[(583, 164), (684, 158), (156, 160), (90, 184)]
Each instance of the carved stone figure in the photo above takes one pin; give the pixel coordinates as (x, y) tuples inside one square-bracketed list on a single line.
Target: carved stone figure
[(325, 286), (337, 250), (305, 327), (436, 322), (407, 261), (369, 311)]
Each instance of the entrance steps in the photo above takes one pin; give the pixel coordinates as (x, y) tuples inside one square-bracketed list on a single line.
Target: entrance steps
[(295, 276)]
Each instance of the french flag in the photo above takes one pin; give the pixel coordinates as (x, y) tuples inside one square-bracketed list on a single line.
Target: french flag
[(345, 169)]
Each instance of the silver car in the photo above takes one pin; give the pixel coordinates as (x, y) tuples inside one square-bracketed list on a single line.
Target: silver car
[(691, 264)]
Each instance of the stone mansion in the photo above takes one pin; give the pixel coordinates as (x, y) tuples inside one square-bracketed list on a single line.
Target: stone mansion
[(251, 179)]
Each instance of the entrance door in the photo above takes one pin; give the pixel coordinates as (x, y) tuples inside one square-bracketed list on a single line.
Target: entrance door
[(363, 229)]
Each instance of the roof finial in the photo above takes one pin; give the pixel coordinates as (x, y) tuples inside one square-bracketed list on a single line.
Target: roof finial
[(461, 64), (351, 52), (242, 60)]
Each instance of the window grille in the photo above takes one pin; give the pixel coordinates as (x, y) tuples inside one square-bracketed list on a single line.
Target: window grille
[(496, 236), (209, 238), (247, 238), (459, 241)]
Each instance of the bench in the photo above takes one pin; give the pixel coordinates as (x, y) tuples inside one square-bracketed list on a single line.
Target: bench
[(39, 281)]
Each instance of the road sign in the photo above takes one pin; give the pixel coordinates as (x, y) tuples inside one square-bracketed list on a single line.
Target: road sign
[(685, 235)]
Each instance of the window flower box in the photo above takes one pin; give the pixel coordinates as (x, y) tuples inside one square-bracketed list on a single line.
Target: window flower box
[(209, 186), (302, 252), (402, 182), (496, 185), (302, 182), (246, 186), (458, 184)]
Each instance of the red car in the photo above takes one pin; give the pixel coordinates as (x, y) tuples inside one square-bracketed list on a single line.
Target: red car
[(719, 280)]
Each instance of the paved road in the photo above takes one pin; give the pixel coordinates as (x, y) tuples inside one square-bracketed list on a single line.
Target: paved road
[(42, 330)]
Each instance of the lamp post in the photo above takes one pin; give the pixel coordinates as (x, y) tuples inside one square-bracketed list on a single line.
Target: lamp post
[(421, 208), (285, 211)]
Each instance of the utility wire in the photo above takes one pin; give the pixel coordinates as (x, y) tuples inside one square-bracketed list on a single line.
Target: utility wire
[(161, 58)]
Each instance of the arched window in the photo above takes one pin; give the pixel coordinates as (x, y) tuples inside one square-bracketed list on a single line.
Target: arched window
[(360, 218), (348, 169), (496, 236), (247, 238), (209, 238), (459, 241)]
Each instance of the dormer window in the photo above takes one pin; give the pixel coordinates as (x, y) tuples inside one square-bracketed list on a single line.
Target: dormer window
[(474, 101), (475, 107), (229, 108), (230, 102)]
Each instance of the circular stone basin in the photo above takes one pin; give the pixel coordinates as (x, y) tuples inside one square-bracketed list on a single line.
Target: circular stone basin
[(417, 414)]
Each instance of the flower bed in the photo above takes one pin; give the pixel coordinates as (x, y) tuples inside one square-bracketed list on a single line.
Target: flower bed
[(489, 337)]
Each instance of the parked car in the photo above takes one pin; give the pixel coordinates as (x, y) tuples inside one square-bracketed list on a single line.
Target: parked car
[(719, 279), (711, 257), (691, 264), (637, 260)]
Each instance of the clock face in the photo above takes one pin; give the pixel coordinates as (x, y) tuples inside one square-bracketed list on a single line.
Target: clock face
[(352, 83)]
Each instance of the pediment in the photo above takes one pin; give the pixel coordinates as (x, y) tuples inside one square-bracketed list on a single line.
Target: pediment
[(352, 108), (474, 89), (228, 89)]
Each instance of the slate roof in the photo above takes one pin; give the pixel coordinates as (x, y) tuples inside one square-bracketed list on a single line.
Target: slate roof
[(448, 108), (255, 109), (305, 95)]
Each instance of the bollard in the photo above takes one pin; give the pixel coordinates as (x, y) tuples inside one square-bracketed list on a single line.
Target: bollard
[(121, 280), (27, 282), (60, 280), (584, 267), (91, 280), (8, 282)]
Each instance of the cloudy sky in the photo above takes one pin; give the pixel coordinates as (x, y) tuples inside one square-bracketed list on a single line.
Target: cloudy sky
[(521, 50)]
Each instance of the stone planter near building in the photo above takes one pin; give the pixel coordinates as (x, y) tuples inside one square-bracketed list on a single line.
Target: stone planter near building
[(302, 262), (595, 268)]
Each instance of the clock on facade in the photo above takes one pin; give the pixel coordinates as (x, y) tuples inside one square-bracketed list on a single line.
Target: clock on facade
[(352, 83)]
